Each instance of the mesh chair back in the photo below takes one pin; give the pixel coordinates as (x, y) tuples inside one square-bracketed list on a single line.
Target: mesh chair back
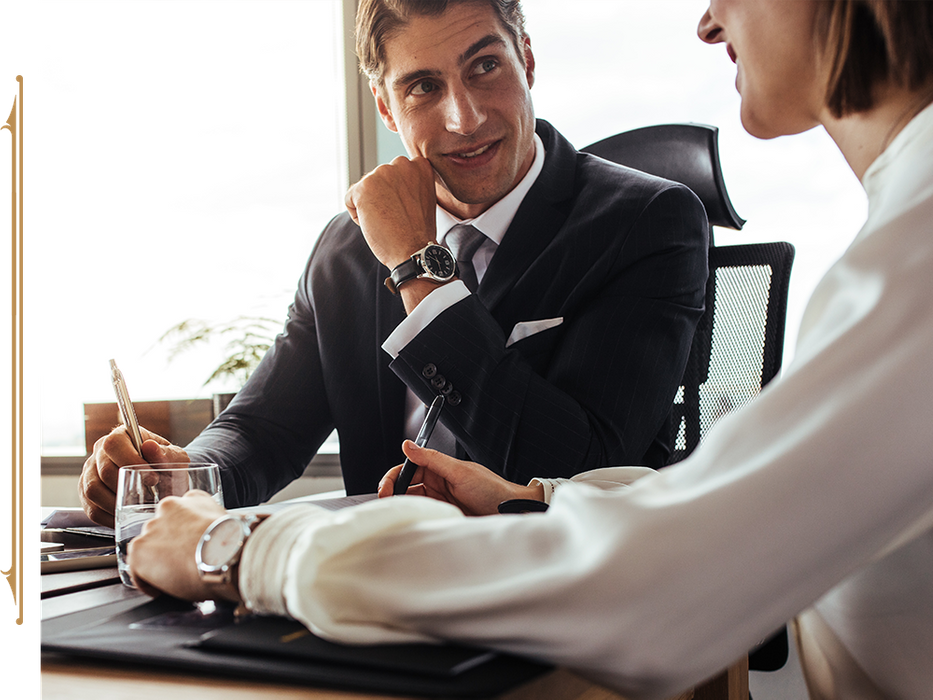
[(739, 340)]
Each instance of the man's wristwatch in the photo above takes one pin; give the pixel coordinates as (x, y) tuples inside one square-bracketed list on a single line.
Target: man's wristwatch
[(221, 545), (433, 262)]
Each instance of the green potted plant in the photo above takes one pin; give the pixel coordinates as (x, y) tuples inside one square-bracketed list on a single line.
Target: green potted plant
[(247, 338)]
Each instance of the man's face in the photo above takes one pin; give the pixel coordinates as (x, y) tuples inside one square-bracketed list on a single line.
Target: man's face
[(458, 94)]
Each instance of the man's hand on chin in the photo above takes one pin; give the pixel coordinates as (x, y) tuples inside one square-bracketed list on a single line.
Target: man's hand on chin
[(395, 206), (162, 557)]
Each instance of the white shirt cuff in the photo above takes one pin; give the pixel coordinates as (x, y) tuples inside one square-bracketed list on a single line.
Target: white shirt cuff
[(430, 308)]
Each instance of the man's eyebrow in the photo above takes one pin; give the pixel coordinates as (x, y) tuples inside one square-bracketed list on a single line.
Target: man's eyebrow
[(478, 46), (416, 75), (475, 48)]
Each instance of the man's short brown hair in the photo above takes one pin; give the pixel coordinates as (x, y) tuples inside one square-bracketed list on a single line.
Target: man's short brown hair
[(872, 42), (377, 20)]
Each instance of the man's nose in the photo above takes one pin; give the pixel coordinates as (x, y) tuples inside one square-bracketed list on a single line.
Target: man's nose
[(464, 114)]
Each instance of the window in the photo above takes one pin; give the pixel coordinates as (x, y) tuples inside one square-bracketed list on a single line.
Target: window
[(184, 158)]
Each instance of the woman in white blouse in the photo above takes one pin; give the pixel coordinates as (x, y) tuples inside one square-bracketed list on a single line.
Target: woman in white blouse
[(813, 503)]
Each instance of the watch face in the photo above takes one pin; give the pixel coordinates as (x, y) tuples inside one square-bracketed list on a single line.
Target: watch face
[(439, 262), (223, 542)]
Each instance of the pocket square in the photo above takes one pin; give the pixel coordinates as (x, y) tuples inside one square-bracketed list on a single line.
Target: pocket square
[(524, 329)]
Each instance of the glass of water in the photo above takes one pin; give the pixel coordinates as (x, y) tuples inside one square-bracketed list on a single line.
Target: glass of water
[(140, 487)]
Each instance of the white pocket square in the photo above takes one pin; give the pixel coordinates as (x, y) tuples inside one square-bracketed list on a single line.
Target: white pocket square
[(524, 329)]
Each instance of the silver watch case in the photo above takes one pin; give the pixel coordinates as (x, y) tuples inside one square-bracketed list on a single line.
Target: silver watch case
[(212, 571)]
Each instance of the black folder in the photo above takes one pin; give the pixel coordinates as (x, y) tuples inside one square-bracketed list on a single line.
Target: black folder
[(170, 633)]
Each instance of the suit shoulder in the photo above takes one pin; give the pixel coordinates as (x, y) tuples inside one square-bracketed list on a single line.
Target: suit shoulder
[(339, 256), (340, 237), (594, 170), (613, 182)]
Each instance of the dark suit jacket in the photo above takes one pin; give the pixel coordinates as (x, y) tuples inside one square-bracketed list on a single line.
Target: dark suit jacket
[(620, 255)]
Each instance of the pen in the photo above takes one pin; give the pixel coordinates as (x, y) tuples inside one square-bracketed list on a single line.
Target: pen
[(126, 407), (409, 467)]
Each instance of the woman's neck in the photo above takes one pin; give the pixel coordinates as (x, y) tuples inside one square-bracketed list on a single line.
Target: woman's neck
[(864, 136)]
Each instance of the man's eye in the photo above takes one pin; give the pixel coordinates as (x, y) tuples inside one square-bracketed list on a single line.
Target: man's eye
[(423, 88), (486, 65)]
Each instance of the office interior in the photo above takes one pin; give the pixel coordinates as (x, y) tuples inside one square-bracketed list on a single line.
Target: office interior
[(265, 97)]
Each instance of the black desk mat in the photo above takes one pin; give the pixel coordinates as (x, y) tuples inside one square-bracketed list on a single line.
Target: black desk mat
[(166, 632)]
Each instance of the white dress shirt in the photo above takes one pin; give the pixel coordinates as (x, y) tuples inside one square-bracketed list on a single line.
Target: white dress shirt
[(816, 497)]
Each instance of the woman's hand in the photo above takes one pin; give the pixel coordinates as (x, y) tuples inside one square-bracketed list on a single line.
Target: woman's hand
[(162, 559), (471, 487)]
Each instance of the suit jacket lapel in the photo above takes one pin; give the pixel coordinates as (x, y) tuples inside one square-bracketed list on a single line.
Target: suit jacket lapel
[(538, 219)]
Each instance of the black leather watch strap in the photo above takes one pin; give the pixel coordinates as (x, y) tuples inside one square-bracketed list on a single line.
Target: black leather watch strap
[(402, 273), (433, 262)]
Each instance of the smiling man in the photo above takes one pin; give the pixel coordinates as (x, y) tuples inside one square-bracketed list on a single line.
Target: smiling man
[(557, 324)]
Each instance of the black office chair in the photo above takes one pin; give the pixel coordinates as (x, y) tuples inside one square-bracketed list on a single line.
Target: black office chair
[(739, 341)]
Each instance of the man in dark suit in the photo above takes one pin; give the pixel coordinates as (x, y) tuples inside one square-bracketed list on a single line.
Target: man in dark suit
[(559, 342)]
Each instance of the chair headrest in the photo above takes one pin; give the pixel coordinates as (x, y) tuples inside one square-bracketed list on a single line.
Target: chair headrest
[(685, 153)]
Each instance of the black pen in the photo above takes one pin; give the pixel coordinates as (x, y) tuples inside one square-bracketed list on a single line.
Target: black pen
[(408, 469)]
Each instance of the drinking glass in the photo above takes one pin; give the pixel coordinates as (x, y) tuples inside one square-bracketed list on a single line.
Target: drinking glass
[(140, 487)]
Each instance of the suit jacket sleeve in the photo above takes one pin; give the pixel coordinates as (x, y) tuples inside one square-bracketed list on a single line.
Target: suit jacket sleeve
[(273, 427), (626, 269)]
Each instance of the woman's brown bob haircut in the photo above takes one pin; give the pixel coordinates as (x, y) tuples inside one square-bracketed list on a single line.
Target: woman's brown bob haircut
[(872, 42), (376, 20)]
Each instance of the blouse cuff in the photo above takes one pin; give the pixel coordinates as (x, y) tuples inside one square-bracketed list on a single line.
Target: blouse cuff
[(605, 478), (548, 485), (265, 555)]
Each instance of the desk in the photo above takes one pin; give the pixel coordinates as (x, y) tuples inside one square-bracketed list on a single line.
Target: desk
[(72, 678), (67, 679)]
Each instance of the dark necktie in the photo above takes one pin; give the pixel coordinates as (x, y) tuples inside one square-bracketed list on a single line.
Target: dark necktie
[(464, 240)]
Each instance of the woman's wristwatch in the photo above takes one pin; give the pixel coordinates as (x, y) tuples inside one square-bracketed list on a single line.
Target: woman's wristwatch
[(221, 546)]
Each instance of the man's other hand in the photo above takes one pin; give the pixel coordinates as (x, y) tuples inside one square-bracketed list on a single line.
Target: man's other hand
[(97, 487), (471, 487)]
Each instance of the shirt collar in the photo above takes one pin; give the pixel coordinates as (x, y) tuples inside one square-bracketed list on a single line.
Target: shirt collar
[(495, 221)]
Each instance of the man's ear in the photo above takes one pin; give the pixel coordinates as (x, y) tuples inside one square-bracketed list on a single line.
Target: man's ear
[(383, 108), (529, 61)]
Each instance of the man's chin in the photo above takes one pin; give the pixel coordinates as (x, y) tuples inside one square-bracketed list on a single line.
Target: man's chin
[(473, 197)]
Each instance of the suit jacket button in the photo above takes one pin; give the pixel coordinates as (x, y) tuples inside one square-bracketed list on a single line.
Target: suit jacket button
[(439, 381), (454, 398), (447, 389), (429, 370)]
